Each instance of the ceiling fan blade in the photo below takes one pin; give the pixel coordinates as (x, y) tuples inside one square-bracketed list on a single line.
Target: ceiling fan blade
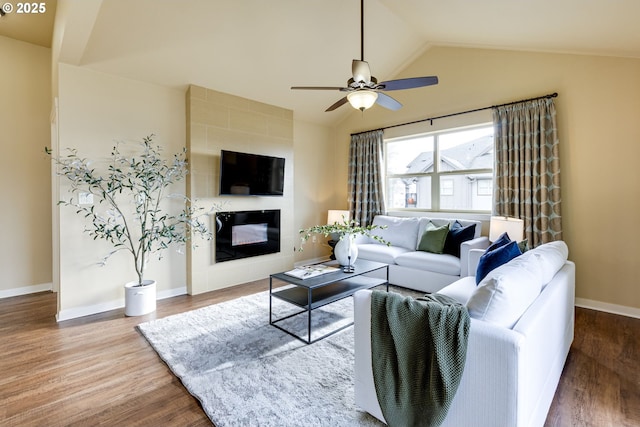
[(386, 101), (409, 83), (318, 87), (340, 103), (361, 71)]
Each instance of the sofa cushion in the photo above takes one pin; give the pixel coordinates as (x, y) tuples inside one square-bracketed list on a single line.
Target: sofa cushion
[(422, 225), (401, 232), (494, 258), (502, 240), (438, 263), (548, 259), (380, 253), (505, 294), (523, 245), (433, 238), (460, 290), (457, 235)]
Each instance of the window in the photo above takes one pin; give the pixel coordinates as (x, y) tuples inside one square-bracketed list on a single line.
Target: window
[(446, 187), (449, 170), (485, 187)]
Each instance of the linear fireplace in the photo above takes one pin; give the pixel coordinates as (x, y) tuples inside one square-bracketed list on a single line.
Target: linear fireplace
[(244, 234)]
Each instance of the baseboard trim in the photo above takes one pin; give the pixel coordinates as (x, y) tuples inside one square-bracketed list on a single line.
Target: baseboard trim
[(114, 305), (608, 308), (25, 290), (89, 310)]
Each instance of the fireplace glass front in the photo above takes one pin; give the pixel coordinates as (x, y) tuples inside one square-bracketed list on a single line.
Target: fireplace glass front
[(243, 234)]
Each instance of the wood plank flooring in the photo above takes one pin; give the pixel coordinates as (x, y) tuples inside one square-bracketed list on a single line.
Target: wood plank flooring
[(99, 371)]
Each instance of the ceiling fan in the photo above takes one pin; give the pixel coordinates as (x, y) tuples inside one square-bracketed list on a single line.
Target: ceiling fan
[(363, 88)]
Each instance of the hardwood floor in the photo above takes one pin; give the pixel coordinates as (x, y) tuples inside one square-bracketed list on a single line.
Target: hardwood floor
[(99, 370), (600, 384)]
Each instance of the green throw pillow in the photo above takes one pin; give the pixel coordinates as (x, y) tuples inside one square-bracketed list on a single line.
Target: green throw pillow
[(523, 245), (433, 238)]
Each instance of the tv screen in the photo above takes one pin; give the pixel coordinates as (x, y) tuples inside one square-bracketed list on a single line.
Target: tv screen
[(244, 174)]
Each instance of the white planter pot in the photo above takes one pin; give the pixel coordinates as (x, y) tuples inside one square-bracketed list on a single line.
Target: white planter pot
[(344, 248), (139, 300)]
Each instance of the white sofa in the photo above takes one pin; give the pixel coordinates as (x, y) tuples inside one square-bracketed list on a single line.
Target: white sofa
[(410, 268), (511, 372)]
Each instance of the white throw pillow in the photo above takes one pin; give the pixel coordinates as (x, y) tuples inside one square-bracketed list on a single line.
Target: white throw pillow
[(401, 232), (551, 257), (505, 294)]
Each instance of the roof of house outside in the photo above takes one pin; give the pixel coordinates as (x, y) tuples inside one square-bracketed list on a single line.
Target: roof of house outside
[(474, 154)]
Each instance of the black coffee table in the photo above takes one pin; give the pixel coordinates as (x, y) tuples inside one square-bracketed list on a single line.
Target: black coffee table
[(318, 291)]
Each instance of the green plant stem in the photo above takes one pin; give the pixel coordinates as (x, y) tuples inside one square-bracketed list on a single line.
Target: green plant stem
[(141, 180)]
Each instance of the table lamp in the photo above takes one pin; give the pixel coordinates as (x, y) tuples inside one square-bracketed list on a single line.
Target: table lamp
[(337, 216), (514, 227)]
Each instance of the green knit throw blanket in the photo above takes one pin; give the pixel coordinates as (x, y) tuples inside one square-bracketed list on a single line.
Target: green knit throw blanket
[(418, 352)]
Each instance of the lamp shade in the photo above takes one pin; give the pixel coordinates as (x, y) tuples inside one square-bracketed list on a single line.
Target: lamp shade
[(362, 99), (337, 216), (514, 227)]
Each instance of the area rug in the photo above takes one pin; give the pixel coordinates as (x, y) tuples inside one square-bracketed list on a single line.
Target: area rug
[(245, 372)]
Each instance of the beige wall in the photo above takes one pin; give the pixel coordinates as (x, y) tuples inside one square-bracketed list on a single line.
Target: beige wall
[(218, 121), (315, 185), (598, 108), (598, 104), (95, 110), (25, 183)]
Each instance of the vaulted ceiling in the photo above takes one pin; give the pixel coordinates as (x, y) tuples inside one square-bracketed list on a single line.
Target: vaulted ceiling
[(259, 48), (35, 28)]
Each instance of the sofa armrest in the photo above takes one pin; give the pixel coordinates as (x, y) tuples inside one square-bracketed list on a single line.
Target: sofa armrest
[(474, 260), (466, 269), (548, 328), (488, 394)]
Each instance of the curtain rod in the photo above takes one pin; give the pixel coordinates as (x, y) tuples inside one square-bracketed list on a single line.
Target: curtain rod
[(431, 119)]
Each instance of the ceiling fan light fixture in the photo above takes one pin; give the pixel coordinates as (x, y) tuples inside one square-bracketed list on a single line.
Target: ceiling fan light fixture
[(363, 89), (362, 99)]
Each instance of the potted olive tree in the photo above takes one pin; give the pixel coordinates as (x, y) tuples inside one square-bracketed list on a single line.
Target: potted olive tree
[(346, 251), (131, 209)]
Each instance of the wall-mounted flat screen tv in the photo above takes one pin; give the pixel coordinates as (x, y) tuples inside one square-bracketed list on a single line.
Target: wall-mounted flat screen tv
[(244, 174)]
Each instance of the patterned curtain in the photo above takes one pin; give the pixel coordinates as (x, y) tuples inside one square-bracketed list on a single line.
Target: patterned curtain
[(366, 198), (527, 168)]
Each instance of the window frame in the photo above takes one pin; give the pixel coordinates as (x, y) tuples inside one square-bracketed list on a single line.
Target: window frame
[(436, 175)]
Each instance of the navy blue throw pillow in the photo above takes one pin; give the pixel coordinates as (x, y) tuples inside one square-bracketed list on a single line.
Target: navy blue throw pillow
[(457, 235), (493, 259), (500, 241)]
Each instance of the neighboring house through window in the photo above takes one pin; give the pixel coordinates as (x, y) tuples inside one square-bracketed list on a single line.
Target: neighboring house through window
[(442, 171)]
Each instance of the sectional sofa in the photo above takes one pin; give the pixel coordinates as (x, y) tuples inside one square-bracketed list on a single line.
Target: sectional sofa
[(522, 323), (418, 269)]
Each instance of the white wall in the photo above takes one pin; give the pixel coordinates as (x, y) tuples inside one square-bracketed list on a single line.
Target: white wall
[(95, 110)]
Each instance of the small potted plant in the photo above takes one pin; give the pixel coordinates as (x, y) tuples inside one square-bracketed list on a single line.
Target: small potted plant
[(131, 211), (346, 251)]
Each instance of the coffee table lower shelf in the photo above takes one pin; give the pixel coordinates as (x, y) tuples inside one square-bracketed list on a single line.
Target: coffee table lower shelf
[(311, 298)]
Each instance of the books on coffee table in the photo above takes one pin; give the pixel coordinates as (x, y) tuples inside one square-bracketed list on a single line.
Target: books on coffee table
[(309, 271)]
